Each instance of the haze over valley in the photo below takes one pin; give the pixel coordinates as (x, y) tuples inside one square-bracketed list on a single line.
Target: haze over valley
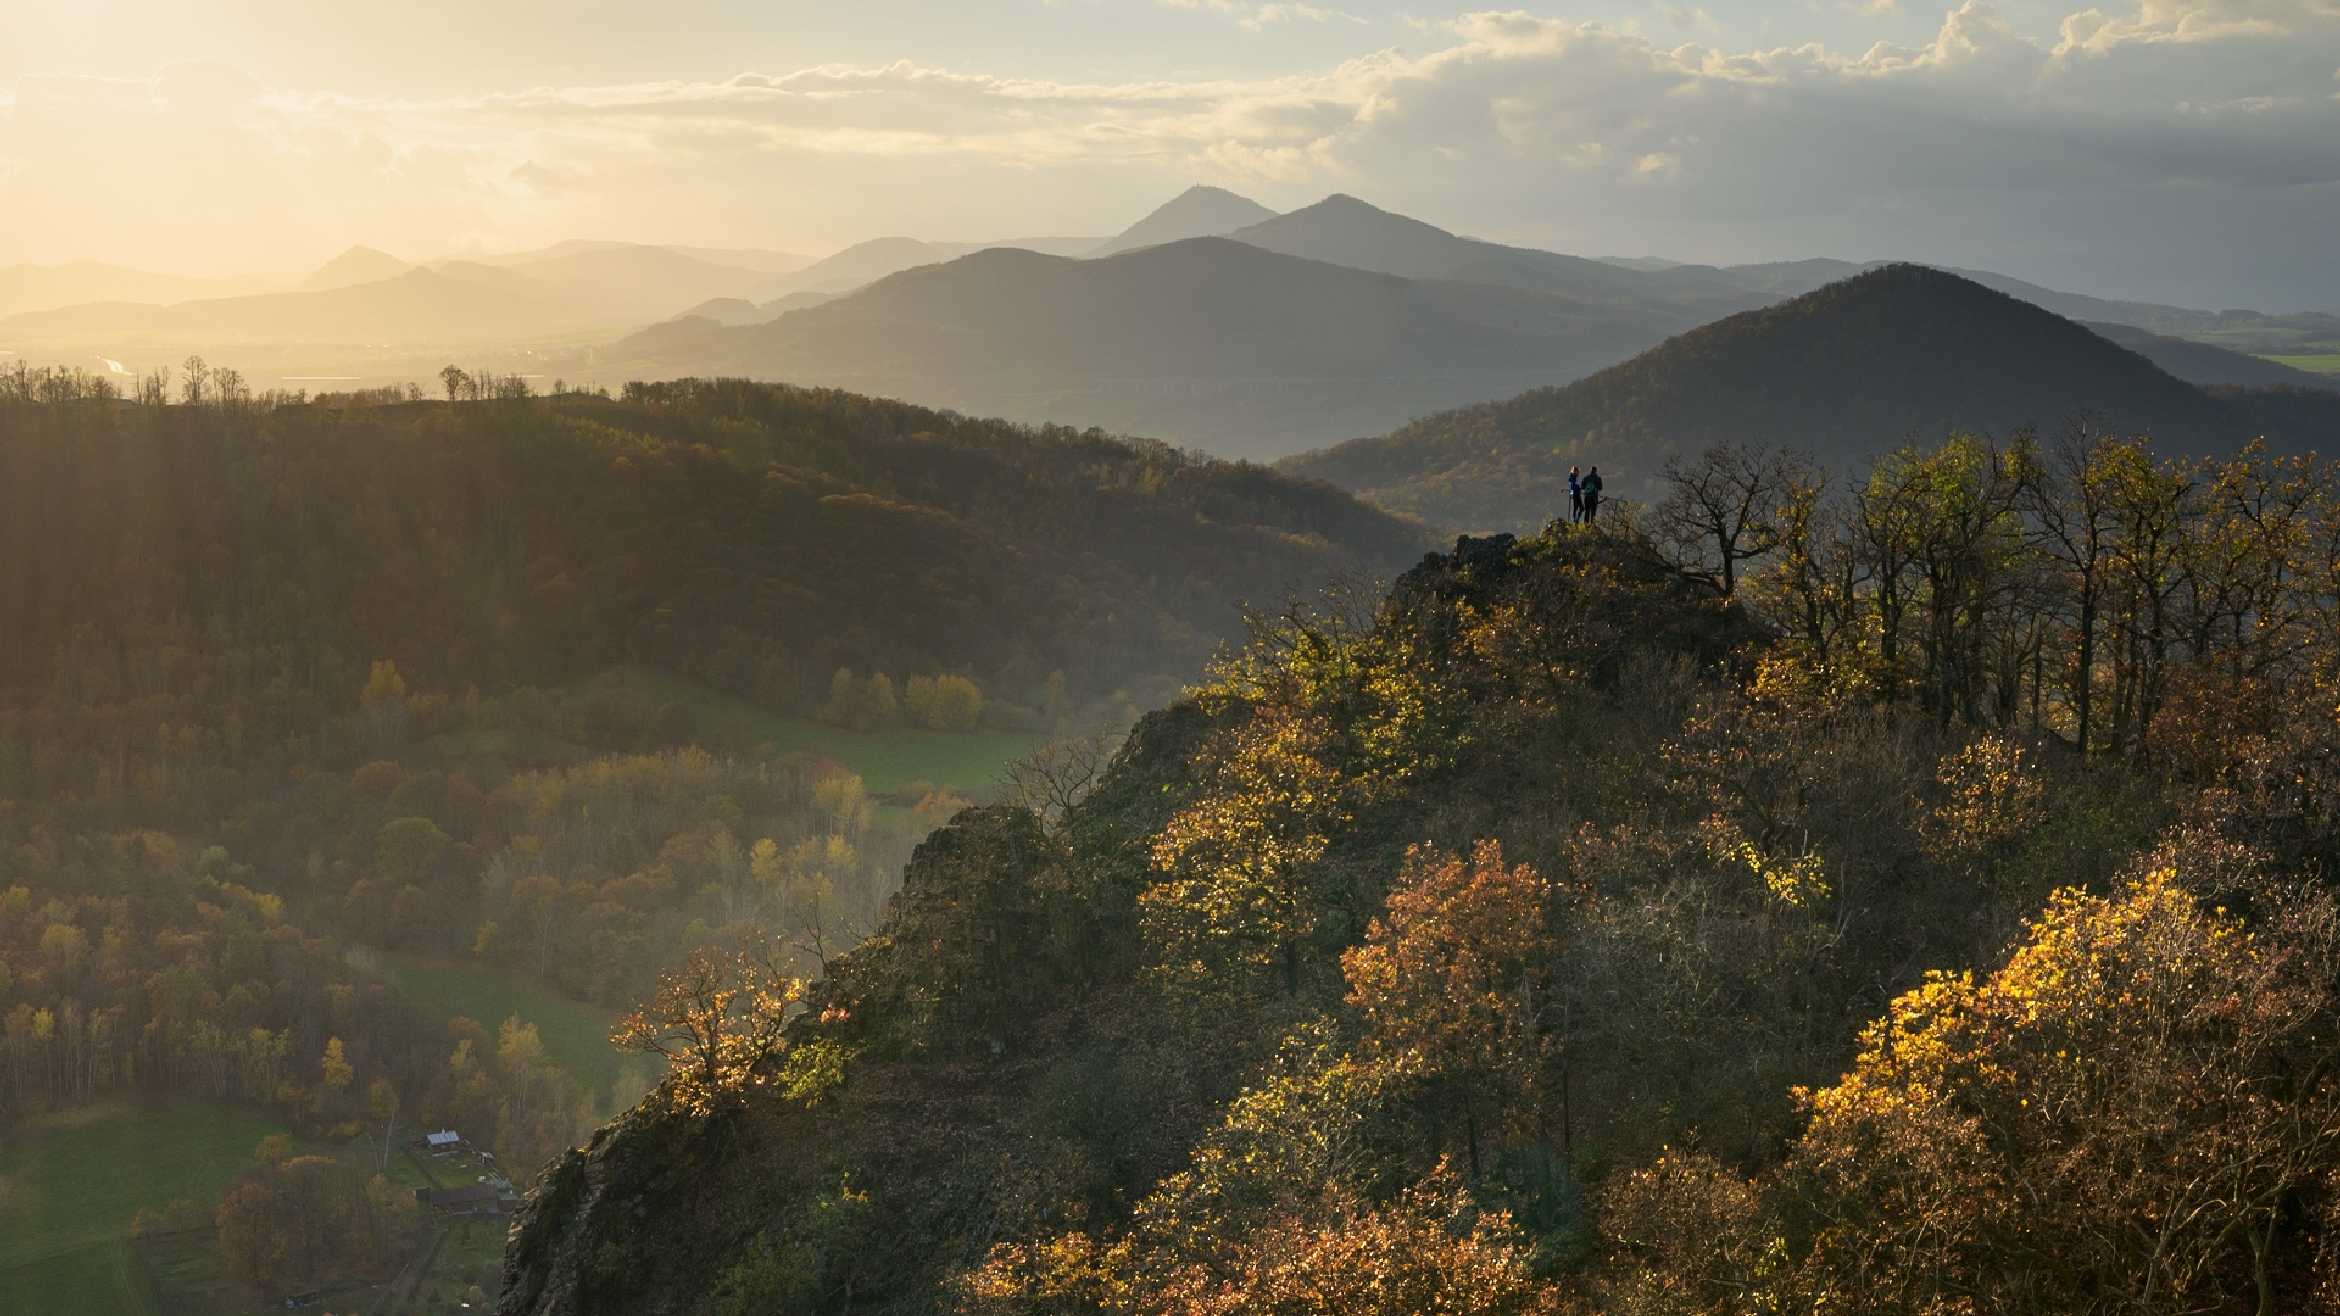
[(1203, 324)]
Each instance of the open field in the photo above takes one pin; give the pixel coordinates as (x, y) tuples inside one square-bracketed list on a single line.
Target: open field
[(576, 1035), (2322, 363), (470, 1255), (70, 1184), (888, 761)]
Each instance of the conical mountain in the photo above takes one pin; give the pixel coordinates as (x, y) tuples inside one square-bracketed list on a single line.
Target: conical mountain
[(1208, 342), (1843, 374), (1198, 212), (865, 263), (1346, 231), (355, 266)]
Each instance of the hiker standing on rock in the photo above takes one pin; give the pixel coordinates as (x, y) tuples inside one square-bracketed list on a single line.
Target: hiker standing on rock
[(1575, 495), (1590, 497)]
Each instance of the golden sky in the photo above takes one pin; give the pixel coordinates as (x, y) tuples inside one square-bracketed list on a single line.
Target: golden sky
[(2182, 149)]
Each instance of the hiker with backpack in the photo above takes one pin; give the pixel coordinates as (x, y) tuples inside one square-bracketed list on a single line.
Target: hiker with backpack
[(1591, 493)]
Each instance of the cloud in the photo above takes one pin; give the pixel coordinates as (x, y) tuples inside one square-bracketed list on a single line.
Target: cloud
[(2177, 148), (1253, 17)]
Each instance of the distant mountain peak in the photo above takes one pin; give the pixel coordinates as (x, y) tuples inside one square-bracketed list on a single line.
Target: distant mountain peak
[(1845, 373), (1201, 211), (360, 264), (1341, 205)]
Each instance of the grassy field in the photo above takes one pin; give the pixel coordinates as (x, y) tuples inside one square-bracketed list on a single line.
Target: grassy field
[(887, 761), (576, 1035), (470, 1256), (69, 1186), (2325, 363)]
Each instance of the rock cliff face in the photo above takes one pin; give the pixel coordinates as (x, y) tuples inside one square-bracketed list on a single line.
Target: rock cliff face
[(593, 1230), (1013, 1070), (963, 1009)]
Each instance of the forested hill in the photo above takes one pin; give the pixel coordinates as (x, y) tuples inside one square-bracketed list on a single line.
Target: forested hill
[(1844, 373), (1218, 344), (753, 537), (1562, 937)]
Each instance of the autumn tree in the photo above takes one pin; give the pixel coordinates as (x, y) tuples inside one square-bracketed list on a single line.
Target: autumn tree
[(2123, 1112), (1430, 1248), (880, 702), (1448, 978), (333, 1069), (844, 706), (296, 1224), (1684, 1235), (1235, 901), (715, 1020), (958, 704), (918, 701)]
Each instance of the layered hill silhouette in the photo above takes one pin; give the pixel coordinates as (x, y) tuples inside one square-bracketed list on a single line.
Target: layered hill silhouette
[(26, 288), (1209, 342), (454, 304), (1198, 212), (729, 520), (1343, 230), (635, 282), (1861, 366), (865, 263), (354, 266), (366, 296), (2202, 363)]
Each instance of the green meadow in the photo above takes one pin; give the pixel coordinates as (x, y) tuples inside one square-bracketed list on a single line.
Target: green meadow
[(576, 1035), (888, 761), (70, 1185), (2322, 363)]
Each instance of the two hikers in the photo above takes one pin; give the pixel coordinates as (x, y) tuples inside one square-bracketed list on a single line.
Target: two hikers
[(1584, 494)]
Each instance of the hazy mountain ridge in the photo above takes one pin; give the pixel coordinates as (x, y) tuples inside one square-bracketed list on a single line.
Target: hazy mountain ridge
[(1343, 230), (605, 310), (354, 266), (865, 263), (458, 305), (804, 493), (1198, 212), (26, 288), (1210, 342), (2207, 365), (365, 296), (1898, 353)]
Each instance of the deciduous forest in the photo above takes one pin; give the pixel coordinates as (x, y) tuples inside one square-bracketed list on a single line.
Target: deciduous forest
[(1904, 891), (307, 704)]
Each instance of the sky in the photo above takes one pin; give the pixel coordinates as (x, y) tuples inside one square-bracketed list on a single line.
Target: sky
[(2178, 150)]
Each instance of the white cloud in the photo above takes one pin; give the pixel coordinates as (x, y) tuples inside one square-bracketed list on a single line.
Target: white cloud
[(2182, 141), (1253, 16)]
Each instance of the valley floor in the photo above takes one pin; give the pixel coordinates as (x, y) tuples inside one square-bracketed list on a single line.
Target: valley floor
[(71, 1183)]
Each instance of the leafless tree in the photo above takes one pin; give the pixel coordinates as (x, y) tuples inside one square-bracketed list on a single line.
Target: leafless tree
[(1722, 508)]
